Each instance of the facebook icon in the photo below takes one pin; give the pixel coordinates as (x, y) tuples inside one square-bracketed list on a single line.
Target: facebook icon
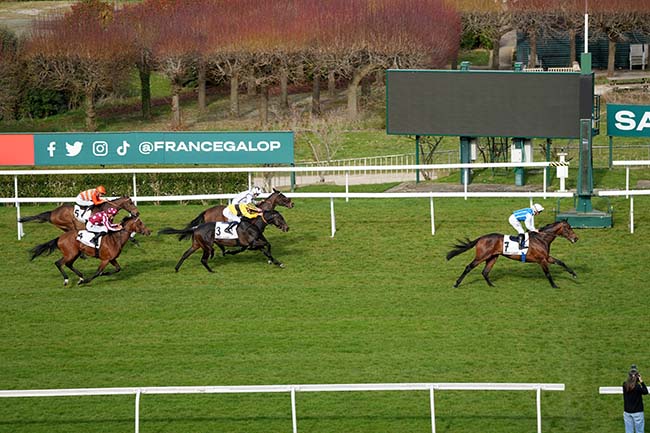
[(51, 148)]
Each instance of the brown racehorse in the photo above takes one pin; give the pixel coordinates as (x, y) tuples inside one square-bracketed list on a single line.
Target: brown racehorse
[(215, 213), (109, 250), (250, 237), (63, 216), (490, 247)]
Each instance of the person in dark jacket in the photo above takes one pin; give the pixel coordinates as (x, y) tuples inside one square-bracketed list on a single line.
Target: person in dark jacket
[(633, 391)]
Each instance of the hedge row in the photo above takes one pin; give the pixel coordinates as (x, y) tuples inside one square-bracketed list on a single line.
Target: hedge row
[(148, 184)]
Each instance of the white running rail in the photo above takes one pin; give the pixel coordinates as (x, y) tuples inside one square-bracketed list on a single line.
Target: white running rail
[(293, 389)]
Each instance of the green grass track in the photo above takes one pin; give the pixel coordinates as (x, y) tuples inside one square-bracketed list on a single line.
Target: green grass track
[(374, 304)]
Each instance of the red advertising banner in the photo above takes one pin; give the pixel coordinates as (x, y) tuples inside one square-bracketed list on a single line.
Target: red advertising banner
[(16, 149)]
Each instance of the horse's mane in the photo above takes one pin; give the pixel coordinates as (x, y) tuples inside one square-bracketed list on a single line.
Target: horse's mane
[(551, 225)]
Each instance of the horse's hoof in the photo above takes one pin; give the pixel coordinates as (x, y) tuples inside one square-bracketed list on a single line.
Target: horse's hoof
[(65, 282), (270, 262), (81, 281), (455, 286), (575, 276), (281, 265)]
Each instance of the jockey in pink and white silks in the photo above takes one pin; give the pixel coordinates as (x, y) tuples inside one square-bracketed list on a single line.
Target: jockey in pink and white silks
[(243, 198), (101, 223), (527, 216)]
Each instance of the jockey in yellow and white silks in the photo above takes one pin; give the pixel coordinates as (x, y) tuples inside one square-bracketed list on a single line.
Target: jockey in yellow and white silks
[(242, 205)]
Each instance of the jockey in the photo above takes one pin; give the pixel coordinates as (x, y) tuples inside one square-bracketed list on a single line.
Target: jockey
[(91, 197), (242, 204), (102, 222), (235, 212), (527, 215)]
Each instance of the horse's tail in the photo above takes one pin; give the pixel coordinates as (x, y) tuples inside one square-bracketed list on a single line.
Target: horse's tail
[(461, 247), (41, 217), (186, 232), (200, 219), (48, 247)]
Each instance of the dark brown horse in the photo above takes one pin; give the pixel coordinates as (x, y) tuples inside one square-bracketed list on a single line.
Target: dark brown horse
[(63, 216), (215, 213), (109, 250), (250, 234), (490, 247)]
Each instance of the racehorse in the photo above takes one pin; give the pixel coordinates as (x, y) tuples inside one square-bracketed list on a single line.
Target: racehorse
[(250, 236), (490, 247), (109, 250), (63, 216), (215, 213)]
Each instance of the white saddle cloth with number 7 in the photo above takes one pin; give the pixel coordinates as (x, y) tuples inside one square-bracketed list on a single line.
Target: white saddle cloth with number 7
[(511, 245)]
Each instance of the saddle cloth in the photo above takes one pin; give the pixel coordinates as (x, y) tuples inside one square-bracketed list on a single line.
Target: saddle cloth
[(81, 214), (511, 245), (86, 238), (220, 231)]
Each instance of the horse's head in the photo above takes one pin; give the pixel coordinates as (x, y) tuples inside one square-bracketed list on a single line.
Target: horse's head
[(561, 228), (127, 204), (275, 218), (135, 225), (281, 199)]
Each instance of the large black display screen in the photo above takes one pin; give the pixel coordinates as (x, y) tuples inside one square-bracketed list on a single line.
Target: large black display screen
[(487, 103)]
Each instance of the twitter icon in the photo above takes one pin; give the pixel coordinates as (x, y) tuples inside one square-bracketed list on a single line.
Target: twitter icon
[(73, 149)]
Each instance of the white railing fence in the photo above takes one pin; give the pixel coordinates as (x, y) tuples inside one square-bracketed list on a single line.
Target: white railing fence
[(628, 193), (293, 389), (17, 200)]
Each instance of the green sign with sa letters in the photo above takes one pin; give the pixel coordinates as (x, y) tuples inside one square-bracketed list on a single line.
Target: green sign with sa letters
[(628, 120), (108, 148)]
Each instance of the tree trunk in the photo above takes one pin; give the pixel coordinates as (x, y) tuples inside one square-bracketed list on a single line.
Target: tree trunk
[(331, 84), (201, 85), (145, 91), (91, 121), (251, 87), (572, 47), (379, 76), (315, 95), (234, 95), (284, 89), (176, 105), (264, 105), (532, 57), (611, 58), (494, 63), (353, 91)]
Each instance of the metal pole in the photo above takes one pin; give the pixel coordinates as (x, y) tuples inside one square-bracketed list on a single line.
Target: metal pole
[(332, 217), (545, 169), (250, 180), (137, 411), (417, 158), (293, 178), (586, 29), (611, 151), (465, 180), (433, 218), (135, 190), (20, 225), (294, 418), (347, 186), (632, 214), (433, 410), (627, 180), (539, 410)]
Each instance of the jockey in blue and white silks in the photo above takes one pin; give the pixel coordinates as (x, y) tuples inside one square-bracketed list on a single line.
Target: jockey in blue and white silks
[(527, 215)]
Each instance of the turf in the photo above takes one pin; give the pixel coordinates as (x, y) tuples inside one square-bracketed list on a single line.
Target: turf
[(373, 304)]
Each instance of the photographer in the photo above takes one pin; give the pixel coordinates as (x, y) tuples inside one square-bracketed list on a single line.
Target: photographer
[(633, 390)]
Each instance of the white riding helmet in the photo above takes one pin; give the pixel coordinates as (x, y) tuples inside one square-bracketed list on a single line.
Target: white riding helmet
[(538, 207), (256, 190)]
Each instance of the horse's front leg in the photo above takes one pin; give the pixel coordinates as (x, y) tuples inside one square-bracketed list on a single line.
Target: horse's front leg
[(266, 249), (117, 269), (561, 263), (544, 265), (100, 271)]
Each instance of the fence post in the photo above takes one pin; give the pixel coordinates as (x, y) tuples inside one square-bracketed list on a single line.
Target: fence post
[(294, 418), (137, 411), (20, 225), (539, 410), (433, 217), (433, 410), (347, 186), (135, 190), (332, 217), (632, 214)]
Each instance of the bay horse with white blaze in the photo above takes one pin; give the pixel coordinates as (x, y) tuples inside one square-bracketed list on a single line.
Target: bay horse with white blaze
[(250, 236), (63, 216), (490, 247), (109, 250)]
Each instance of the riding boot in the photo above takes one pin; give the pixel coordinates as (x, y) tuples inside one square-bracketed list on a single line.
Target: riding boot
[(522, 241), (230, 227)]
